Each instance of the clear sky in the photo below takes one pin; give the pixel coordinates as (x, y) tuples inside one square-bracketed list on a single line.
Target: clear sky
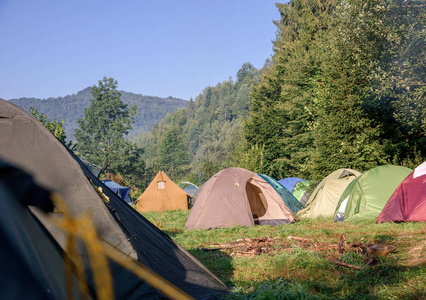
[(160, 48)]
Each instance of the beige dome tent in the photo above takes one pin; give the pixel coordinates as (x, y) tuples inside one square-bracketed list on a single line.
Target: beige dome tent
[(232, 197), (324, 199), (162, 194)]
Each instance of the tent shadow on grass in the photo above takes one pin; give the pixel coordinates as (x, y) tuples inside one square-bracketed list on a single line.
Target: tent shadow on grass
[(369, 283), (218, 262), (173, 232)]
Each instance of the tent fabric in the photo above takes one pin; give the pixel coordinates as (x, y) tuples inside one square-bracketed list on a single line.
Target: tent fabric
[(290, 182), (32, 265), (408, 202), (300, 191), (188, 187), (366, 196), (287, 197), (96, 170), (162, 194), (324, 198), (121, 191), (232, 197), (26, 143)]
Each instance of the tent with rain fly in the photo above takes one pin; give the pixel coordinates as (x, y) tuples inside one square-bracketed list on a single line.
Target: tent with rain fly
[(287, 197), (121, 191), (27, 144), (408, 202), (325, 197), (162, 194), (366, 196), (236, 196)]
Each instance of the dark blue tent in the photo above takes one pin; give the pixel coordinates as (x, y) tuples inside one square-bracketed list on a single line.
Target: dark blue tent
[(121, 191), (290, 182)]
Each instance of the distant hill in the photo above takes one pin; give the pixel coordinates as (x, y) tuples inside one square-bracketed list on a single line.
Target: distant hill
[(70, 108)]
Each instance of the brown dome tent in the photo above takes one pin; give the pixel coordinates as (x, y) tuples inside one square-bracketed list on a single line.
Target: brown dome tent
[(236, 196), (162, 194)]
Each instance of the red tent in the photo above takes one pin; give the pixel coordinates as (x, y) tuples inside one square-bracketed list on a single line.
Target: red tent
[(408, 202)]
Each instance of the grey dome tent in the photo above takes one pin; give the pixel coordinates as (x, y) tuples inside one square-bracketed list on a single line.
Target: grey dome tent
[(27, 144)]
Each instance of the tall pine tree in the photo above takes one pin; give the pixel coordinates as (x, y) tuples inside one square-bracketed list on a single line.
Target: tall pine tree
[(282, 111)]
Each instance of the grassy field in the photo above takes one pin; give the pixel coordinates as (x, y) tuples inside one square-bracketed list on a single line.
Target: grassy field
[(303, 261)]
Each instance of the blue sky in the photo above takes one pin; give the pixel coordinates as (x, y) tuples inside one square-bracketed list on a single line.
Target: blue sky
[(161, 48)]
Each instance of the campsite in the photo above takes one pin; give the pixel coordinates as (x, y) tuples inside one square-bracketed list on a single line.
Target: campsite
[(226, 165)]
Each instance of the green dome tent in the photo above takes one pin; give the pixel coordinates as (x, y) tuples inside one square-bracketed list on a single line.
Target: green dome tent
[(325, 197), (301, 191), (366, 196)]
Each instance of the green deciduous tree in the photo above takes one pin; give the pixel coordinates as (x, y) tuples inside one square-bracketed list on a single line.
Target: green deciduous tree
[(100, 136), (54, 126)]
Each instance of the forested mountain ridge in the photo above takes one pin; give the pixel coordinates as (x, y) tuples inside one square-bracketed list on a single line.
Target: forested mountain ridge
[(201, 139), (150, 109)]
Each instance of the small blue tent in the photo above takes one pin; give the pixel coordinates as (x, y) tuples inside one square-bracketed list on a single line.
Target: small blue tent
[(121, 191), (290, 182)]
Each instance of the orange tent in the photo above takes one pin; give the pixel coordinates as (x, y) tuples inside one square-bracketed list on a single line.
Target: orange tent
[(162, 194)]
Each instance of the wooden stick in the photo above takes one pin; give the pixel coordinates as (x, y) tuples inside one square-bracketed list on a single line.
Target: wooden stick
[(344, 264)]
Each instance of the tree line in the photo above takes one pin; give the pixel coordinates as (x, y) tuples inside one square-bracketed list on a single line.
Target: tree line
[(346, 88)]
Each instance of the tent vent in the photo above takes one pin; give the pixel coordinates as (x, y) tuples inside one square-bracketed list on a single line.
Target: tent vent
[(161, 185)]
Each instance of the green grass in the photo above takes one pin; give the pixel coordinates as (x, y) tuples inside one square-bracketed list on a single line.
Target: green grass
[(294, 271)]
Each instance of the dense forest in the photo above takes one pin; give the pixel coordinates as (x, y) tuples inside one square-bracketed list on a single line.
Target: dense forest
[(345, 88), (150, 109), (197, 141)]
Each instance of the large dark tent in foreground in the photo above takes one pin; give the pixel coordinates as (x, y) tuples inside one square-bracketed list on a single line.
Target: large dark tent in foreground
[(28, 145), (31, 261)]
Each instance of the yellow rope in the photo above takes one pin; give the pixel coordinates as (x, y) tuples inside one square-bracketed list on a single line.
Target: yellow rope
[(82, 228)]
